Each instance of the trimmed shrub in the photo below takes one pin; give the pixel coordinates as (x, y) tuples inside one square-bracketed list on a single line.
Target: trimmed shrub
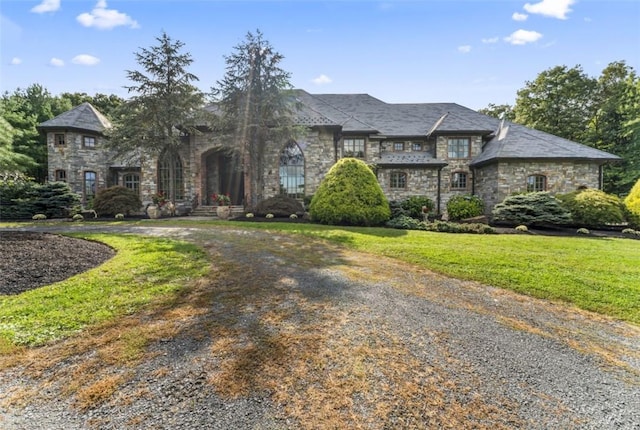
[(531, 209), (78, 217), (280, 206), (412, 206), (117, 199), (350, 195), (594, 208), (522, 228), (632, 203), (452, 227), (464, 206), (404, 222)]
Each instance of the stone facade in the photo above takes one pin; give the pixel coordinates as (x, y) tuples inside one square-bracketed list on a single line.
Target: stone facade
[(432, 150)]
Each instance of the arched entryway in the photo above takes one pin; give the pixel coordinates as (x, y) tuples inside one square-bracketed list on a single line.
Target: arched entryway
[(222, 174)]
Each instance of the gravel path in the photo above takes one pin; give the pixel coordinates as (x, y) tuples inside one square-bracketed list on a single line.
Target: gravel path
[(310, 335)]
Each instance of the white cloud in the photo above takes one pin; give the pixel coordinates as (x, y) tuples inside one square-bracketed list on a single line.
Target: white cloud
[(517, 16), (465, 49), (491, 40), (56, 62), (551, 8), (46, 6), (522, 37), (85, 60), (322, 80), (15, 61), (105, 19)]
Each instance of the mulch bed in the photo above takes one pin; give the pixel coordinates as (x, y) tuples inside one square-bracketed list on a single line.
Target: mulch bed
[(31, 260)]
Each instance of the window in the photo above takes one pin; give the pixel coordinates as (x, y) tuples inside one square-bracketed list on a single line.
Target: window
[(398, 180), (61, 175), (88, 141), (89, 185), (398, 146), (459, 181), (132, 181), (458, 147), (58, 138), (416, 146), (170, 177), (536, 183), (353, 147), (292, 171)]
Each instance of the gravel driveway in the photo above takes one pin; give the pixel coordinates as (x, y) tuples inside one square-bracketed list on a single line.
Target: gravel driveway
[(292, 333)]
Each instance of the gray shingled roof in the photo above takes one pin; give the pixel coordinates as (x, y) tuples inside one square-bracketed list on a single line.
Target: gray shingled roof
[(81, 117), (514, 141)]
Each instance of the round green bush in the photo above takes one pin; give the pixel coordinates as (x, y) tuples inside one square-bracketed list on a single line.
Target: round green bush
[(350, 195), (464, 206), (531, 209), (117, 199), (594, 208)]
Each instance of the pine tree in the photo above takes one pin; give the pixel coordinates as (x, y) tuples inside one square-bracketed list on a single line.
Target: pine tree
[(164, 109), (255, 107)]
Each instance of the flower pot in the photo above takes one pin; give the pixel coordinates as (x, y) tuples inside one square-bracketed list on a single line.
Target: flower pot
[(154, 211), (223, 212)]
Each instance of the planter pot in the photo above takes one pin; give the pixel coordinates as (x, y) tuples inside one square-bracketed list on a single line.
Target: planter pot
[(154, 211), (223, 212)]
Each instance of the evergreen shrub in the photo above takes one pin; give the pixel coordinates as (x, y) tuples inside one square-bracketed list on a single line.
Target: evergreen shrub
[(531, 209), (413, 205), (594, 208), (464, 206), (632, 203), (117, 199), (350, 195), (21, 198)]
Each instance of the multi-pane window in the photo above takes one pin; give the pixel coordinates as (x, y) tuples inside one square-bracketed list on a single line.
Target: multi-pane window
[(170, 177), (88, 141), (132, 181), (61, 175), (398, 146), (292, 171), (459, 181), (58, 138), (458, 147), (89, 185), (398, 180), (416, 146), (536, 183), (353, 147)]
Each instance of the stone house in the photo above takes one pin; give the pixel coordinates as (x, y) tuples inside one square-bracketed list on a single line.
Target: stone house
[(436, 150)]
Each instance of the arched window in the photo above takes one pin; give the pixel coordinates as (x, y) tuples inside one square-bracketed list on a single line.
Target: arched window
[(292, 171), (398, 180), (536, 183), (459, 181), (170, 176)]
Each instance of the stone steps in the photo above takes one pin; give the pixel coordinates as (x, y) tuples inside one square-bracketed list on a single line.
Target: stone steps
[(210, 211)]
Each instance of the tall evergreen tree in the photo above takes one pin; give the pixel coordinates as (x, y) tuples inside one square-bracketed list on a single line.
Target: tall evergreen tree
[(255, 107), (164, 109)]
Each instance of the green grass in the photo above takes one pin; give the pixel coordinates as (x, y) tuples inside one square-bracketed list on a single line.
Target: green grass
[(144, 270)]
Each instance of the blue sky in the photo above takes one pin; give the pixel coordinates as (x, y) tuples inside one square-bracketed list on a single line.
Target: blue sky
[(470, 52)]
